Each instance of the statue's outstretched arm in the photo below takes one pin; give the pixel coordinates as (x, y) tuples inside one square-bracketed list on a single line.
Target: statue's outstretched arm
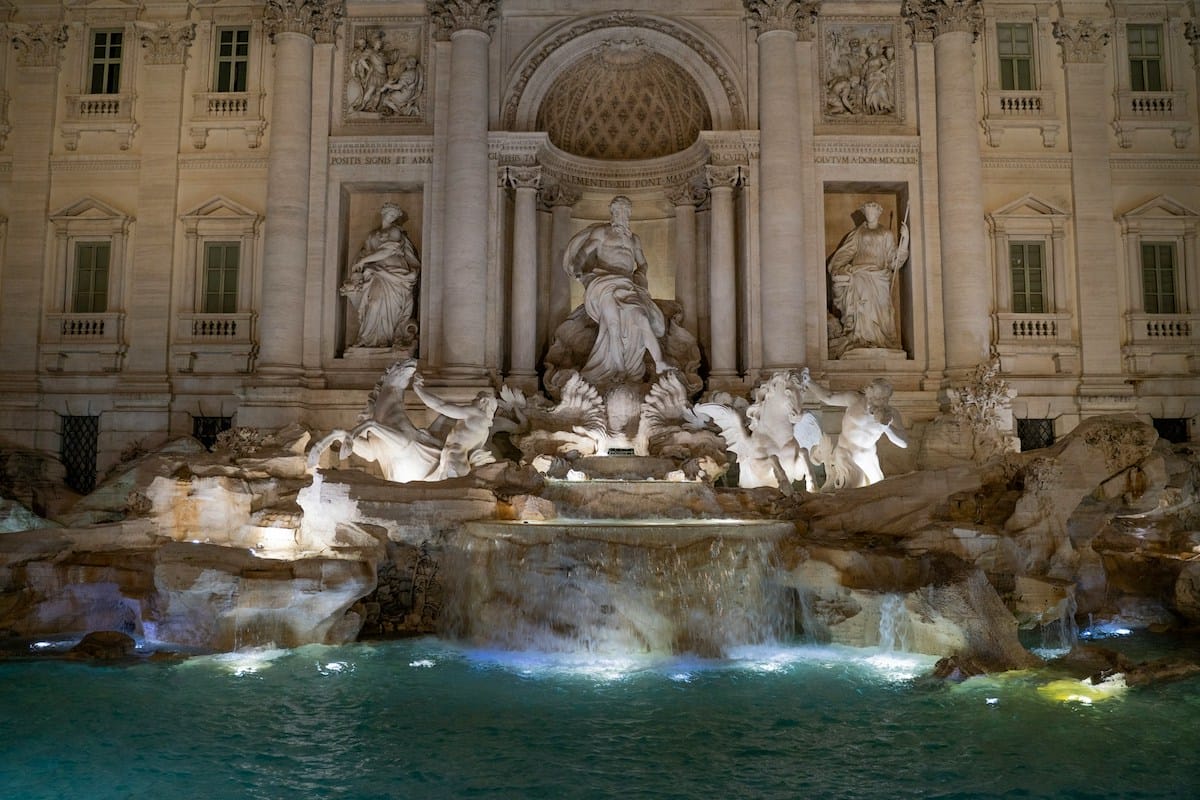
[(895, 432), (437, 404)]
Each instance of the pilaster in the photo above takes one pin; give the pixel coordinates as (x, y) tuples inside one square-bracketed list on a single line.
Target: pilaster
[(966, 297), (523, 306), (1097, 269), (722, 275), (685, 197)]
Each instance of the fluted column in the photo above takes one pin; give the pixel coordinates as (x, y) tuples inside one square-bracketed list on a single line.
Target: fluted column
[(781, 189), (469, 25), (722, 280), (966, 299), (293, 25), (1097, 269), (685, 197), (560, 199), (31, 111), (522, 304)]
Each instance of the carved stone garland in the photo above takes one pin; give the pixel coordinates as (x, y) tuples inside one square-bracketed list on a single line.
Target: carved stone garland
[(1082, 41)]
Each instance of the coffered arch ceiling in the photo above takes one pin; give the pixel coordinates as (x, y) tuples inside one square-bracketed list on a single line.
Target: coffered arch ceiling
[(623, 101)]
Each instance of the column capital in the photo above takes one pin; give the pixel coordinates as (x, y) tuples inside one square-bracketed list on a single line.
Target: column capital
[(451, 16), (1191, 32), (795, 16), (522, 177), (166, 43), (929, 19), (37, 45), (688, 193), (559, 194), (724, 177), (1082, 41), (317, 19)]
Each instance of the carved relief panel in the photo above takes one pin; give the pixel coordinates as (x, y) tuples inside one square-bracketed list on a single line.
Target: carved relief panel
[(861, 71), (384, 77)]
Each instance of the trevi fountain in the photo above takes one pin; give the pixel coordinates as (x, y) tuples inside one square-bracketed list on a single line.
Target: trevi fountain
[(644, 587)]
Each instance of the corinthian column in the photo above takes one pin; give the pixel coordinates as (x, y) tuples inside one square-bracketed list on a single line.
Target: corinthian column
[(1097, 271), (685, 197), (39, 51), (966, 280), (781, 187), (523, 305), (469, 25), (293, 25), (559, 198), (722, 283)]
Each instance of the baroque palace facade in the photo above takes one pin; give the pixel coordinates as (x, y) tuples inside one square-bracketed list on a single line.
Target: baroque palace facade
[(192, 193)]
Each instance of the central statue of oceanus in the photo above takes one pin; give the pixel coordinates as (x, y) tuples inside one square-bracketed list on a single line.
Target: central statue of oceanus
[(620, 335)]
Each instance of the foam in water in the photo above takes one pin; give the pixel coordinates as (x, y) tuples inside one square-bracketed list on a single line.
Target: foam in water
[(895, 628)]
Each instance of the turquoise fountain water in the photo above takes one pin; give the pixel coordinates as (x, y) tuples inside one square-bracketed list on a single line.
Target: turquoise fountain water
[(424, 719)]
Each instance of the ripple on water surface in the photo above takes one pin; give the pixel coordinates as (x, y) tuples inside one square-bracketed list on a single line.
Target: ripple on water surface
[(421, 719)]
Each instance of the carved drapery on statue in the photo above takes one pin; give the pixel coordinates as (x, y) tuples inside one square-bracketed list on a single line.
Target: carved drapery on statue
[(862, 275), (620, 335), (382, 285)]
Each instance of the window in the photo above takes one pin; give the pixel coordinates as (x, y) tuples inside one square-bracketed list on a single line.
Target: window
[(105, 64), (90, 292), (1158, 278), (77, 451), (1035, 433), (1026, 263), (1014, 43), (1173, 429), (1145, 57), (206, 429), (232, 60), (221, 261)]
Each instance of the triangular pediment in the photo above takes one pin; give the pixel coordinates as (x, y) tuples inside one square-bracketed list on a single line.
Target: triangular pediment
[(89, 208), (220, 207), (1161, 207), (1029, 206)]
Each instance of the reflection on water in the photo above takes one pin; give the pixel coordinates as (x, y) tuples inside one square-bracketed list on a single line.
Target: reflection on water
[(425, 719)]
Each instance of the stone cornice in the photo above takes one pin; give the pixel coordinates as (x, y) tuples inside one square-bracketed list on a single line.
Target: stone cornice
[(38, 45), (868, 150), (929, 19), (794, 16), (317, 19), (451, 16), (1082, 41), (166, 43)]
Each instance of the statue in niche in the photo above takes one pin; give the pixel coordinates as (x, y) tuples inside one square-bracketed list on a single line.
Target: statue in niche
[(854, 462), (860, 77), (383, 81), (381, 284), (863, 273), (773, 440), (449, 448), (620, 335)]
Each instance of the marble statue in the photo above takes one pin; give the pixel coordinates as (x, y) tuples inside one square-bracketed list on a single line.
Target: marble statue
[(607, 259), (853, 461), (381, 81), (448, 448), (860, 70), (381, 284), (402, 97), (863, 272), (772, 442)]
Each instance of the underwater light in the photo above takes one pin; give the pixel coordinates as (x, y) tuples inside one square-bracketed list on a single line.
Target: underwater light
[(1084, 692)]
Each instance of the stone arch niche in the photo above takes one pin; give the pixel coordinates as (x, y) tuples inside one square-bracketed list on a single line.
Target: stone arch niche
[(537, 71)]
